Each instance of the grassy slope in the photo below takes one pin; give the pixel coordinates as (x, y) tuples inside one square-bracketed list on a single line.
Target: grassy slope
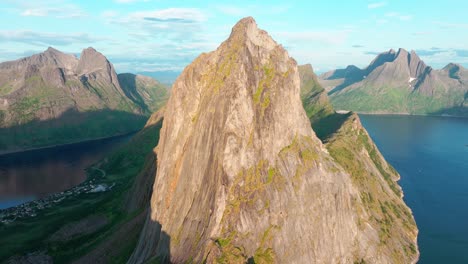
[(70, 127), (380, 194), (381, 205), (121, 167), (316, 103), (367, 99), (24, 131)]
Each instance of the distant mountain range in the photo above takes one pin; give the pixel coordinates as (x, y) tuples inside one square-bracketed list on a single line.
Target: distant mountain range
[(55, 98), (399, 82)]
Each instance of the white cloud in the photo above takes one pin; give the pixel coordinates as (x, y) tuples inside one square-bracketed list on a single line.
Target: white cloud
[(57, 9), (399, 16), (232, 10), (392, 14), (450, 25), (129, 1), (376, 5), (168, 39), (46, 38), (171, 15), (109, 14), (34, 12), (422, 33), (252, 10), (441, 59), (405, 17), (327, 37)]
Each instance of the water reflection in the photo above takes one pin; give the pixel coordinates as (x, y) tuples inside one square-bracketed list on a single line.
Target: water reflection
[(34, 174)]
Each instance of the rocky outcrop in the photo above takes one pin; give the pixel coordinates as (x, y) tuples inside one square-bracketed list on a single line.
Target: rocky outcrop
[(95, 70), (242, 177)]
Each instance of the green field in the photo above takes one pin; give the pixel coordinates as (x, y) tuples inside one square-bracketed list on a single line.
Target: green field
[(398, 100)]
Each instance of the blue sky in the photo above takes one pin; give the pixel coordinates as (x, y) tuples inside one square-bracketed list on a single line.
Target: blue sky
[(158, 35)]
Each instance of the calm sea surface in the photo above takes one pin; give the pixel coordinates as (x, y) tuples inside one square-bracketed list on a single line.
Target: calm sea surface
[(431, 155), (30, 175)]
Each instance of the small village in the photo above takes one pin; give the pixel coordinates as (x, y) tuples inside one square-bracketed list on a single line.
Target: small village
[(32, 208)]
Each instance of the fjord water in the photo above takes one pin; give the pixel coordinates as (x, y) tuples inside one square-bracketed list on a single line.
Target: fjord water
[(29, 175), (431, 155)]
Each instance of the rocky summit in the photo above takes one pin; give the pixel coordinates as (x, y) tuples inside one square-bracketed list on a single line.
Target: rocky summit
[(242, 177), (54, 98)]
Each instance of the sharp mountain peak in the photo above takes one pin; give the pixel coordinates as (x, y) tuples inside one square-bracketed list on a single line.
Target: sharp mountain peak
[(247, 31)]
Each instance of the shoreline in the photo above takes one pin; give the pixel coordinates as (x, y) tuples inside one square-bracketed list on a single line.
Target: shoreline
[(8, 152), (407, 114)]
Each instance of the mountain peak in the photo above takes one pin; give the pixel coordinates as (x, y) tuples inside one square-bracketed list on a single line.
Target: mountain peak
[(90, 56), (352, 67), (453, 70), (246, 30), (52, 56), (245, 23), (52, 50), (381, 59), (416, 65), (92, 61), (54, 53), (307, 67), (452, 65), (402, 53), (91, 51)]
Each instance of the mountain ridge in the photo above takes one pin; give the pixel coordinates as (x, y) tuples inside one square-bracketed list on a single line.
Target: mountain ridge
[(47, 94), (400, 82)]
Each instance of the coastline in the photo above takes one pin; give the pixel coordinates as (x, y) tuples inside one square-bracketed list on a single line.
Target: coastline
[(405, 114), (7, 152)]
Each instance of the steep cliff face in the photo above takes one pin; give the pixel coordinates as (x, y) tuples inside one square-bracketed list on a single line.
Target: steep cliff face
[(241, 175), (375, 180), (53, 98)]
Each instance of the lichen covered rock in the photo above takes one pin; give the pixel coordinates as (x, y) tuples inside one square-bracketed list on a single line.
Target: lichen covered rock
[(241, 175)]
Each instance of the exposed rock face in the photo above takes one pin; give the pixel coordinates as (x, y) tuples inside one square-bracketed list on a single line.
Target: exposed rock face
[(400, 82), (60, 90), (95, 69), (351, 147), (241, 175)]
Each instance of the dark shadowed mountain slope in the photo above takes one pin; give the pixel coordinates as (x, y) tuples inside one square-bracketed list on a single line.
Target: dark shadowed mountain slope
[(146, 92)]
